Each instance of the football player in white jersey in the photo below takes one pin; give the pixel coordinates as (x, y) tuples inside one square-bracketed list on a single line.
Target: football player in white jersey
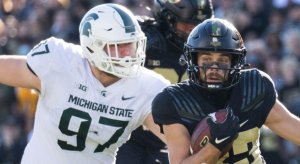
[(92, 95)]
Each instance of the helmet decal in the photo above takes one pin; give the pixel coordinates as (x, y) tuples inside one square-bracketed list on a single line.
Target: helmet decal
[(215, 42), (127, 20), (201, 15), (202, 3), (216, 29), (215, 32), (85, 30)]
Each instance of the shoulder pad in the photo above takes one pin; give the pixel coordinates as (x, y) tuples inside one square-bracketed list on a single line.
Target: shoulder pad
[(249, 92), (53, 54), (266, 76)]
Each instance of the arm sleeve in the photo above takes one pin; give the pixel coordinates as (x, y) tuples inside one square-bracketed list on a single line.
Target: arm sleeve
[(51, 55), (40, 58)]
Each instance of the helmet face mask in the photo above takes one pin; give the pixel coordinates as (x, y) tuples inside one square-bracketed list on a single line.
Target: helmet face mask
[(124, 57), (104, 30), (214, 69), (215, 36)]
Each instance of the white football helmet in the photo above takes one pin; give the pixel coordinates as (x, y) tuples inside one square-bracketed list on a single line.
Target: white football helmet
[(105, 27)]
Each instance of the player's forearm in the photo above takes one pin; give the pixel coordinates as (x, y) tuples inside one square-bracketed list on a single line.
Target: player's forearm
[(9, 72), (208, 155), (281, 121), (14, 72)]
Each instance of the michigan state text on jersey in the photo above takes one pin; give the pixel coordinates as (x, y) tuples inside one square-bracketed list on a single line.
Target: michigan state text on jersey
[(92, 95)]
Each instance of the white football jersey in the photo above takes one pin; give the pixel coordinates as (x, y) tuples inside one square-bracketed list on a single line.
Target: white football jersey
[(78, 120)]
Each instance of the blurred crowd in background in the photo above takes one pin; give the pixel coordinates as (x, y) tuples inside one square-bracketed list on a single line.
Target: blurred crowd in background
[(270, 28)]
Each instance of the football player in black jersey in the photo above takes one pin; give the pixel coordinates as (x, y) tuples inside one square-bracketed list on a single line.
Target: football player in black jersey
[(166, 34), (218, 79)]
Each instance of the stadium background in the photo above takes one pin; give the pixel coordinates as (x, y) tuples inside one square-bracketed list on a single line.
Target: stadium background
[(270, 28)]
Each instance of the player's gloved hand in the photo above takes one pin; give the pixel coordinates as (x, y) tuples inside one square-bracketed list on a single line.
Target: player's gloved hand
[(225, 132)]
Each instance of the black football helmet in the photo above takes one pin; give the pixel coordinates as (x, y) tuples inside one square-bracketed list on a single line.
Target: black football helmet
[(215, 35), (169, 12)]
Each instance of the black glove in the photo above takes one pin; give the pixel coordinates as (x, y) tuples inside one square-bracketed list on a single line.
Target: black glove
[(224, 133)]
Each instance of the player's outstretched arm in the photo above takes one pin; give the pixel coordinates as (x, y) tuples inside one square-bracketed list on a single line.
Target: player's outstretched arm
[(284, 123), (14, 72)]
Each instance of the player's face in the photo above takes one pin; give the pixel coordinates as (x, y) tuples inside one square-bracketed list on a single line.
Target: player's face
[(214, 66), (121, 50), (183, 29)]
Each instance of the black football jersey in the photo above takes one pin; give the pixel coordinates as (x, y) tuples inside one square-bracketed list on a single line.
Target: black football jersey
[(251, 99), (162, 54)]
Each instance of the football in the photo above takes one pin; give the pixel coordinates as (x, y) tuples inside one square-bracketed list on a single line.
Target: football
[(201, 134)]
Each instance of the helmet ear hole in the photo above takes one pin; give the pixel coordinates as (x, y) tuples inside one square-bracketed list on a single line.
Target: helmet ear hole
[(99, 43)]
